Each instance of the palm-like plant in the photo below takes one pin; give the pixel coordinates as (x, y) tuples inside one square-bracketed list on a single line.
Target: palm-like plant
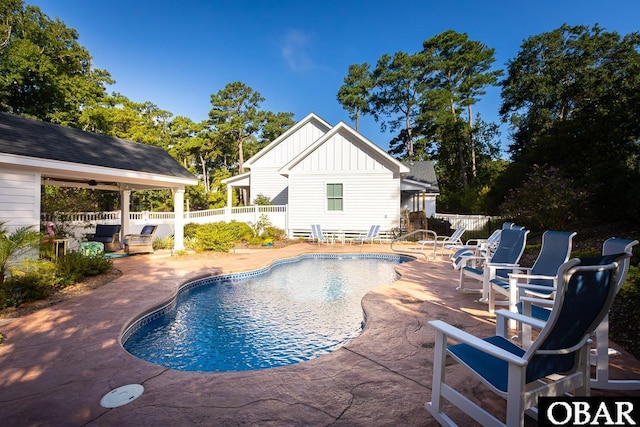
[(11, 243)]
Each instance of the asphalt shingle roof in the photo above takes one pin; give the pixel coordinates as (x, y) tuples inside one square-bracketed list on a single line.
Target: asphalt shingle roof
[(26, 137), (423, 171)]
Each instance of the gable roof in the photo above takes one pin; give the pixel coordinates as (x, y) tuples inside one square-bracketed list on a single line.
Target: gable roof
[(389, 161), (311, 117), (47, 144)]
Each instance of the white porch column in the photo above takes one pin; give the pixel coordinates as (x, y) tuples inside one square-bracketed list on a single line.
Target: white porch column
[(178, 219), (229, 196), (125, 202)]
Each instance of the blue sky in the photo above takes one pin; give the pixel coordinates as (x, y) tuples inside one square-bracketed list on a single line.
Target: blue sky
[(296, 53)]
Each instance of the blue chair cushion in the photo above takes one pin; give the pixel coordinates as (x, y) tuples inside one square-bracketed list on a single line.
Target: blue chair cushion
[(490, 368), (537, 312), (473, 270)]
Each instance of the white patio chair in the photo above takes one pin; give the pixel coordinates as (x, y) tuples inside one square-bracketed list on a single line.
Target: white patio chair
[(371, 235), (540, 278), (317, 235), (556, 363), (504, 260), (445, 241)]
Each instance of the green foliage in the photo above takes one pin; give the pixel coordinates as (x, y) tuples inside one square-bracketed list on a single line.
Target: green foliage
[(571, 97), (546, 200), (73, 266), (13, 244), (45, 72), (273, 233), (58, 200), (163, 242), (260, 225), (262, 200), (239, 230), (26, 286), (426, 99), (216, 236), (624, 317), (32, 280), (256, 241), (354, 94)]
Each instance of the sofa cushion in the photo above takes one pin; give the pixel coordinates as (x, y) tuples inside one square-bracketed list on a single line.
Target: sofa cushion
[(105, 230)]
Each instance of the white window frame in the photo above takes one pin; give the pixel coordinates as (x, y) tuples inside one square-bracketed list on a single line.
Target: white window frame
[(327, 197)]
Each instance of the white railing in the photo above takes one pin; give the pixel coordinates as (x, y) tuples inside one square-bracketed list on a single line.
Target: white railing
[(470, 222), (84, 222)]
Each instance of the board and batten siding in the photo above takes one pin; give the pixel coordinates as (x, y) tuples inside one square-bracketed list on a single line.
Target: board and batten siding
[(371, 192), (290, 147), (265, 178), (20, 199)]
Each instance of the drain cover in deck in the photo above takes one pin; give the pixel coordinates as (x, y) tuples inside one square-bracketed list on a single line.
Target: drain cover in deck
[(122, 395)]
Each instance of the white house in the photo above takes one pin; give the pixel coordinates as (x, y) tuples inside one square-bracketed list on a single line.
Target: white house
[(33, 153), (334, 176)]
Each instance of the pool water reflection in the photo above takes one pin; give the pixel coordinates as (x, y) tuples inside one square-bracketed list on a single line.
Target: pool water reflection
[(294, 312)]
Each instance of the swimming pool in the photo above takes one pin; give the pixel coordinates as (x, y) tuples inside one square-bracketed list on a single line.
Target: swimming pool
[(294, 310)]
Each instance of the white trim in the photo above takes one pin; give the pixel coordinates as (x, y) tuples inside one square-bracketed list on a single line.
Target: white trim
[(326, 198), (392, 163), (309, 118), (61, 170), (236, 181)]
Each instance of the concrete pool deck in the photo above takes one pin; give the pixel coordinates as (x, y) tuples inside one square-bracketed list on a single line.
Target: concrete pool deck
[(58, 363)]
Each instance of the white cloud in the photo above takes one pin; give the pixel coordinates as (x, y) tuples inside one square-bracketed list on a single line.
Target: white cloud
[(295, 51)]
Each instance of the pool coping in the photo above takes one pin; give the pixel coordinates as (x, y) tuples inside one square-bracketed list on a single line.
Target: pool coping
[(59, 362), (160, 310)]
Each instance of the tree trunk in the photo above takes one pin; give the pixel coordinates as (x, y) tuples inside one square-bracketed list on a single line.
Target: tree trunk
[(409, 136), (463, 168), (472, 144), (243, 191), (205, 175)]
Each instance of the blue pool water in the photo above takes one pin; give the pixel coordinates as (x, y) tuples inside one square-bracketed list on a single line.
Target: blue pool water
[(292, 312)]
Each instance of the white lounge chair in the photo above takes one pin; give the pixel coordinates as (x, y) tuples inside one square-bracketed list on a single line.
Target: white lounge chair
[(444, 241), (317, 235), (371, 235)]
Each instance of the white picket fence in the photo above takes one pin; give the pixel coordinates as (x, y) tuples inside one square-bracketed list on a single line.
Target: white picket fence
[(83, 223), (79, 224)]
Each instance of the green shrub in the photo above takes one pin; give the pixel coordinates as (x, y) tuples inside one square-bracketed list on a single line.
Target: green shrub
[(191, 243), (255, 241), (624, 317), (190, 229), (216, 236), (274, 233), (545, 200), (26, 286), (262, 200), (163, 242), (35, 279), (241, 231), (73, 266)]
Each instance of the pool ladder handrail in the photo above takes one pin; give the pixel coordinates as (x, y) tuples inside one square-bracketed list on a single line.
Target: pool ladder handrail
[(422, 252)]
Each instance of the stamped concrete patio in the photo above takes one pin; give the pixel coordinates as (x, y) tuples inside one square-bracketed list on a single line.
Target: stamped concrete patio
[(58, 363)]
